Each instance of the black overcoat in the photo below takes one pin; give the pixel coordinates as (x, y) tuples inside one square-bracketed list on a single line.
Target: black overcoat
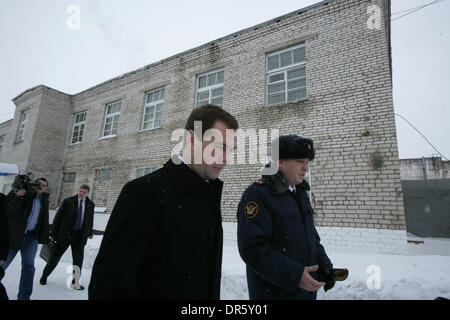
[(163, 239), (65, 220), (19, 209)]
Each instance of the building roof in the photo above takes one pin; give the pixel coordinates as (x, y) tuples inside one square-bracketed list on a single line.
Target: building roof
[(249, 29)]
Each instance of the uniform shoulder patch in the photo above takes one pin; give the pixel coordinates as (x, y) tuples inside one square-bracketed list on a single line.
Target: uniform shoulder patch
[(251, 210), (259, 182)]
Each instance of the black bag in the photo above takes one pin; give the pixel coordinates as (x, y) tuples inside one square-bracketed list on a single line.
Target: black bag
[(47, 250)]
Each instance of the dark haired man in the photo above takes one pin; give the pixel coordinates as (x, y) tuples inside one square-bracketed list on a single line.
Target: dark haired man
[(28, 225), (72, 226), (277, 238), (164, 236)]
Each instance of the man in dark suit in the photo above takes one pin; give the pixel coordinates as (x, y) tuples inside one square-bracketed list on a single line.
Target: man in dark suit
[(72, 226), (164, 237)]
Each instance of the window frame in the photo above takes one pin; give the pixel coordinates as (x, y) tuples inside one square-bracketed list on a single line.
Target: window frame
[(285, 70), (78, 124), (69, 177), (154, 104), (22, 125), (209, 88), (111, 115), (100, 174)]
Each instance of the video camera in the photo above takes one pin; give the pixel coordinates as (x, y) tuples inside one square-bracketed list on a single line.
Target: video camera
[(24, 181)]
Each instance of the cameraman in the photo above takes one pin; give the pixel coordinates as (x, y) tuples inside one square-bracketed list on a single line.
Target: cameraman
[(28, 226)]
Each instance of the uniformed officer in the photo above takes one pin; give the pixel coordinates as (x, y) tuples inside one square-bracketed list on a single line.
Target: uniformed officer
[(277, 238)]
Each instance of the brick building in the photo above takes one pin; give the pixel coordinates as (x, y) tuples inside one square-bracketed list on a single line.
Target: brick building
[(322, 72)]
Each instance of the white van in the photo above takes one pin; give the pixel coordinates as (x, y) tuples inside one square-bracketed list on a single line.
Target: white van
[(8, 172)]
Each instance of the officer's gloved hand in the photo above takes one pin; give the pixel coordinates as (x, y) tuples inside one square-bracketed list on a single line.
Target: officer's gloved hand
[(325, 274)]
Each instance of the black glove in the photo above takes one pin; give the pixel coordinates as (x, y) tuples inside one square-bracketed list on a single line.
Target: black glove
[(325, 274), (330, 276)]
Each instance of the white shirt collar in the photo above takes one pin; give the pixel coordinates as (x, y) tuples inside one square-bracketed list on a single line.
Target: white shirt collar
[(292, 189)]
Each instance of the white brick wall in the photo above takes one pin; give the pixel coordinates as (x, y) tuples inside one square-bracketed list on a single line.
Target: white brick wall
[(363, 240), (348, 240)]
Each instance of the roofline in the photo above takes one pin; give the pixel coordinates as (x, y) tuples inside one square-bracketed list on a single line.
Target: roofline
[(35, 87), (212, 42), (263, 24), (4, 122)]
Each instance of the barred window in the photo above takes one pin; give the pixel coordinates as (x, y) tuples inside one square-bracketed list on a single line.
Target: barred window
[(111, 119), (209, 88), (79, 121), (153, 110), (286, 75)]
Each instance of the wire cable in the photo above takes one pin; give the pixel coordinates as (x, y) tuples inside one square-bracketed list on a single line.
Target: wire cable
[(413, 10), (421, 135)]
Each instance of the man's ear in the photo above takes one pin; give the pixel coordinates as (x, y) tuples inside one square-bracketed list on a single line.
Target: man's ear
[(280, 164)]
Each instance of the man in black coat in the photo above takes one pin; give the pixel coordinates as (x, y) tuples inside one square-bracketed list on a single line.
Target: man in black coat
[(72, 226), (164, 237), (28, 225)]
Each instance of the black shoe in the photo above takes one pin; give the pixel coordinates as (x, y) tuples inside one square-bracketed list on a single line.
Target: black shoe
[(43, 281), (79, 287)]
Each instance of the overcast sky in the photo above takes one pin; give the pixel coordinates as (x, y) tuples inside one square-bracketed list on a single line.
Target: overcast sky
[(41, 44)]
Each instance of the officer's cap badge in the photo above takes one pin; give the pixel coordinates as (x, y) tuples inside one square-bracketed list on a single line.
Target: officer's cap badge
[(251, 210)]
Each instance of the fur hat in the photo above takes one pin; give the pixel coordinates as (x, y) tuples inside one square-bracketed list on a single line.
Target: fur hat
[(293, 146)]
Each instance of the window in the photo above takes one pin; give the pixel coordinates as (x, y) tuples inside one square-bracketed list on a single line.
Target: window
[(69, 177), (78, 127), (2, 142), (286, 75), (102, 174), (21, 130), (153, 110), (111, 119), (140, 172), (210, 88)]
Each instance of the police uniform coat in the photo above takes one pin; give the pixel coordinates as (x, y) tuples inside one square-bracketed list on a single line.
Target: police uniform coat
[(277, 239), (163, 239), (65, 220)]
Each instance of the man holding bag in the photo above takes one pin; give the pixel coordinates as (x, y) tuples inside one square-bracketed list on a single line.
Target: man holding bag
[(72, 226)]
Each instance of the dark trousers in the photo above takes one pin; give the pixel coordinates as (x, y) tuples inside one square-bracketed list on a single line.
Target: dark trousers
[(28, 251), (77, 246)]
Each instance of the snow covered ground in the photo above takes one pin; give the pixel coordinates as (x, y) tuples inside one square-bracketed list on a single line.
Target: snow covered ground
[(422, 274)]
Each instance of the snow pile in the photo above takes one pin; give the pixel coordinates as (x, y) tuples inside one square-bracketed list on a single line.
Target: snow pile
[(423, 274)]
